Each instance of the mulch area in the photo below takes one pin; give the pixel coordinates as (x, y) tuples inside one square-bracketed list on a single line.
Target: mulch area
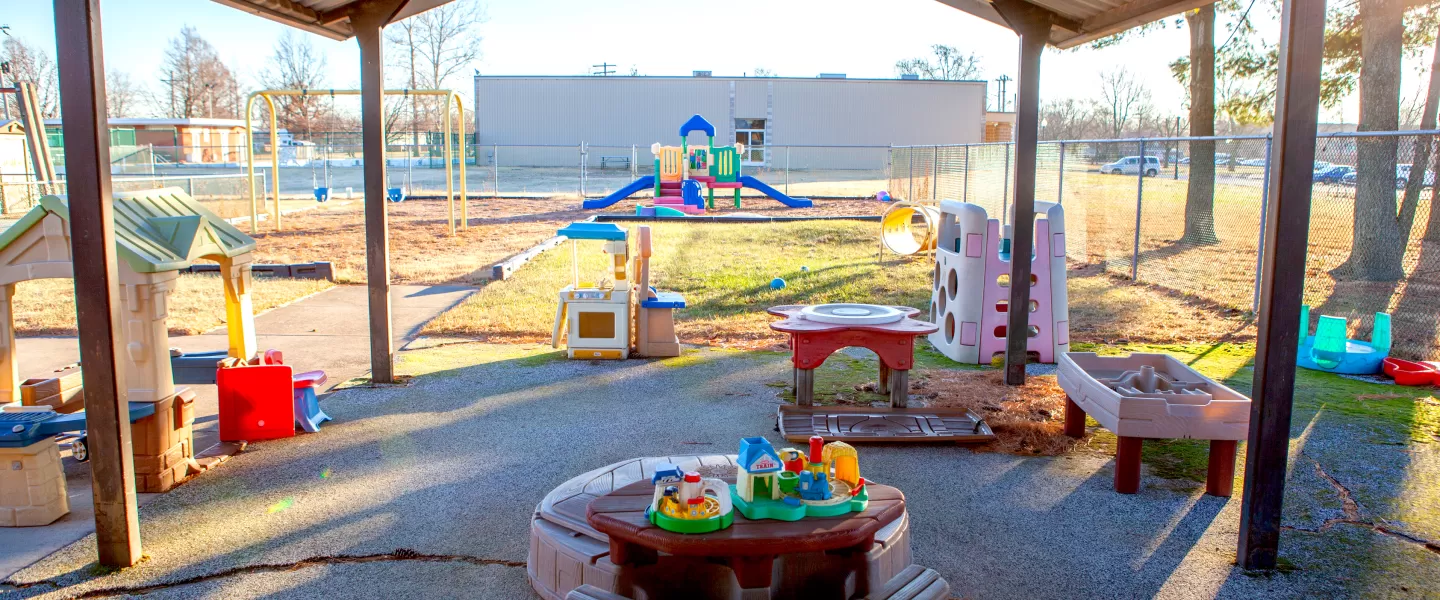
[(1027, 419)]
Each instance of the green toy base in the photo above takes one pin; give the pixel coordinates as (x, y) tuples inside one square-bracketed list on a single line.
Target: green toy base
[(780, 511), (692, 525)]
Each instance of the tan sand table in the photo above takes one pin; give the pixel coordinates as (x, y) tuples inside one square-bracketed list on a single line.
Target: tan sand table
[(1153, 396)]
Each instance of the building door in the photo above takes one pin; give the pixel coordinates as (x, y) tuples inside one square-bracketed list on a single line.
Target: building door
[(751, 133)]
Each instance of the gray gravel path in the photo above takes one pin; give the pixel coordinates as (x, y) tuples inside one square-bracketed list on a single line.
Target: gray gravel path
[(436, 482)]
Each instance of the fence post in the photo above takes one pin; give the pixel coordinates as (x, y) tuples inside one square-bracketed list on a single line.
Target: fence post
[(1005, 189), (935, 173), (910, 164), (1260, 246), (1060, 179), (190, 186), (787, 170), (582, 170), (965, 185), (1139, 199), (634, 174), (495, 169)]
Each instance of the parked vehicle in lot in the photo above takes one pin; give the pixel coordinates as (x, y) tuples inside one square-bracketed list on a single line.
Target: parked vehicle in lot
[(1333, 173), (1130, 165), (1402, 177), (1321, 165), (1252, 162), (1348, 178)]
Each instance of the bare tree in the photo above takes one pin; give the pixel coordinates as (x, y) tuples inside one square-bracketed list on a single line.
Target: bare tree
[(436, 45), (32, 64), (297, 65), (122, 98), (763, 72), (198, 82), (1067, 119), (949, 64), (1123, 100)]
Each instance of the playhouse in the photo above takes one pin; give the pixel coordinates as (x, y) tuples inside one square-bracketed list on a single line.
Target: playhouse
[(600, 319), (681, 171), (970, 298)]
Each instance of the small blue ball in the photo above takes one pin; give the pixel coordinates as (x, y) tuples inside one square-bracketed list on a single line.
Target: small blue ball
[(804, 269), (777, 284)]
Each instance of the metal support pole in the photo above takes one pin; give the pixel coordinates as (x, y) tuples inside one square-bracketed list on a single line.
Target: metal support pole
[(787, 170), (1302, 38), (96, 270), (369, 28), (935, 173), (495, 167), (910, 162), (1005, 190), (1260, 244), (1060, 179), (1034, 31), (965, 186), (1139, 198), (634, 169)]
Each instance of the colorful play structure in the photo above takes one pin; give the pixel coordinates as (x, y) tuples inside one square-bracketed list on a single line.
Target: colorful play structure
[(789, 486), (970, 295), (680, 172), (1329, 350), (1153, 396), (599, 320), (157, 233)]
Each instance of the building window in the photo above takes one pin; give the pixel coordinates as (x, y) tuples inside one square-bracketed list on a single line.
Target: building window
[(751, 133)]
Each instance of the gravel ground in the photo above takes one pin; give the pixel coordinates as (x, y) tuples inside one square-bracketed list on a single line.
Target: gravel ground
[(435, 483)]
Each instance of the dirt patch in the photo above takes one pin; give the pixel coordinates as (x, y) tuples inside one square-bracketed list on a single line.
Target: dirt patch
[(1027, 420)]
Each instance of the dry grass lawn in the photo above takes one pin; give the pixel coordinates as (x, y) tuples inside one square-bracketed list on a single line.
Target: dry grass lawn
[(724, 271), (47, 306)]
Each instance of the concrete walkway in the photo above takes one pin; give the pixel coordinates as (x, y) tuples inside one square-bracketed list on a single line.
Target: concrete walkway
[(427, 491), (328, 331)]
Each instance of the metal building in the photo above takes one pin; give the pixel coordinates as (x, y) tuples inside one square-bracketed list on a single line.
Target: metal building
[(828, 122)]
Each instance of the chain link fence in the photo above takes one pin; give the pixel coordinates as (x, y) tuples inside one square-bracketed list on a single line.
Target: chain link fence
[(1135, 207)]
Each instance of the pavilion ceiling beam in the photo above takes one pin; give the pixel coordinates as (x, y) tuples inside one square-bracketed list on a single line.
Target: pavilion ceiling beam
[(294, 15), (1128, 16)]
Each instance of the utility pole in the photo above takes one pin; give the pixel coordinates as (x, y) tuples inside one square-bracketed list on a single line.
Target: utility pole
[(1003, 79), (604, 69)]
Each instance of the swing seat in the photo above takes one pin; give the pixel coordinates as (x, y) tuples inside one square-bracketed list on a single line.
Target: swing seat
[(395, 194), (322, 194)]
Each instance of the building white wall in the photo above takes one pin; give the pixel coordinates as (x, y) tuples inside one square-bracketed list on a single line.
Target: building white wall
[(523, 114)]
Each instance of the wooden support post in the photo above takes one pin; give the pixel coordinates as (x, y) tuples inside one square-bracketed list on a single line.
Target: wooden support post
[(900, 388), (97, 301), (804, 387), (1287, 225), (369, 24), (1033, 27), (1127, 464)]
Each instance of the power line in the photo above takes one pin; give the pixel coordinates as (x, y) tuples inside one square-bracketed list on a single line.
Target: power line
[(1244, 18)]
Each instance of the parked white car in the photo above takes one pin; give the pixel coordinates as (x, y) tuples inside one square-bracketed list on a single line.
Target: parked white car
[(1130, 165), (1402, 177)]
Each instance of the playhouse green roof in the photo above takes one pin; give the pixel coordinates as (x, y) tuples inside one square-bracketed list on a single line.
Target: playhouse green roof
[(155, 230)]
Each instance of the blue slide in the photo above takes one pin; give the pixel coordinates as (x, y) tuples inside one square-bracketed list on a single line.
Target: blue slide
[(646, 182), (756, 184)]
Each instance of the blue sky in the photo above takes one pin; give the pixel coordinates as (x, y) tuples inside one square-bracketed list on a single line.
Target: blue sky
[(799, 38)]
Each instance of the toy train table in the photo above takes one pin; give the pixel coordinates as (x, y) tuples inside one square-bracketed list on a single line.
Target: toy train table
[(817, 331), (592, 530)]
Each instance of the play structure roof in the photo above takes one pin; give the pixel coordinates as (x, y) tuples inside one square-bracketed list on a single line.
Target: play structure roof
[(1086, 20), (155, 230), (330, 18), (697, 123), (582, 230)]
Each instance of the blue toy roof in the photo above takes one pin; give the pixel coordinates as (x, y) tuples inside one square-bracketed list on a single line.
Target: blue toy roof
[(584, 230), (758, 456), (697, 123)]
